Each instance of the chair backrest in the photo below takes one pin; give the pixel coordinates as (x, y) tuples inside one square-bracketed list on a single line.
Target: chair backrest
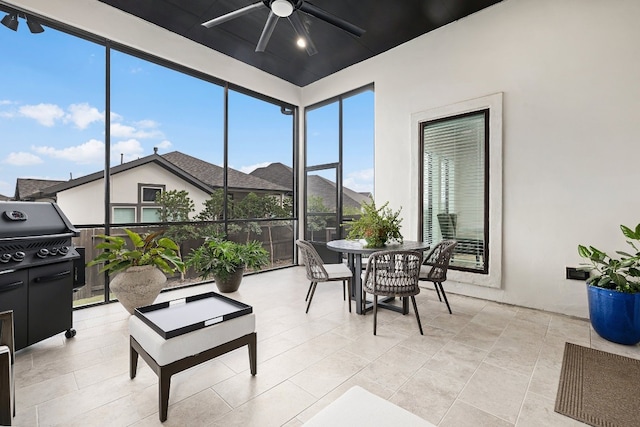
[(312, 262), (438, 258), (448, 223), (6, 332), (393, 273)]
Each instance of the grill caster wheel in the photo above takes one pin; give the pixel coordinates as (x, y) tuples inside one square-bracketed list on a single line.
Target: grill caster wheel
[(70, 333)]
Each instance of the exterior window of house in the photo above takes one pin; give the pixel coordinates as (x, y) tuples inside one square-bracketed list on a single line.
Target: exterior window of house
[(124, 215), (149, 194), (455, 187), (150, 215)]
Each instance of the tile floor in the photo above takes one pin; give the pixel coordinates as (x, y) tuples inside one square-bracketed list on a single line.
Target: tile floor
[(488, 364)]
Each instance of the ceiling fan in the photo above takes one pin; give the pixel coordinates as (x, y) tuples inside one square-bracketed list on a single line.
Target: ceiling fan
[(288, 9)]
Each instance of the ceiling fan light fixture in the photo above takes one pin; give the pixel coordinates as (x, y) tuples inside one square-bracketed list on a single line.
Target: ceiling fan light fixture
[(282, 8)]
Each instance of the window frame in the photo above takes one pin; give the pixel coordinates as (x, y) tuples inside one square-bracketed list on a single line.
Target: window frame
[(486, 237), (142, 187), (494, 103)]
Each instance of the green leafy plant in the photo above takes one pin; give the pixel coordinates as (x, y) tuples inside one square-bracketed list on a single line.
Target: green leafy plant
[(621, 274), (376, 225), (147, 249), (220, 258)]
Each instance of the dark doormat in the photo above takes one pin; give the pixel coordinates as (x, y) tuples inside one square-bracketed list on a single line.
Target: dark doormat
[(599, 388)]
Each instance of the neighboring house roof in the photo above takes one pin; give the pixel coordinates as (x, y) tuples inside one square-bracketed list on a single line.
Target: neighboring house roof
[(316, 185), (213, 175), (199, 173), (4, 198), (30, 189), (319, 186), (277, 173)]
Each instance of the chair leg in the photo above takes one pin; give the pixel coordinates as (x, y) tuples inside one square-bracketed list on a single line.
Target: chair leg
[(375, 312), (435, 285), (309, 291), (445, 297), (415, 309), (349, 296), (313, 290), (344, 294)]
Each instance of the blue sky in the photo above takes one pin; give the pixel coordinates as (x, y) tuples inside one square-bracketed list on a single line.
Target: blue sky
[(52, 121)]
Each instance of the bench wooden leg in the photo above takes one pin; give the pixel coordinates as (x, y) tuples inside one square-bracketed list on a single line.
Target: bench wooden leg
[(164, 383), (133, 362), (253, 353), (6, 411)]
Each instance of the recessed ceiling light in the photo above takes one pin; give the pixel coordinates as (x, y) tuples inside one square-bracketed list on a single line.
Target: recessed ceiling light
[(301, 42)]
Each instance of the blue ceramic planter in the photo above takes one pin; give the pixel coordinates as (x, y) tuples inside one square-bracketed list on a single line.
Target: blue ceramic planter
[(615, 315)]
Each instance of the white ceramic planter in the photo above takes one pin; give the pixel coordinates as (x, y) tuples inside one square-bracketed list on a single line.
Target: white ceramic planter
[(137, 286)]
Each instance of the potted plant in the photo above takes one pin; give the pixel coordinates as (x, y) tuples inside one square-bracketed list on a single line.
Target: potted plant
[(226, 261), (376, 225), (139, 270), (614, 290)]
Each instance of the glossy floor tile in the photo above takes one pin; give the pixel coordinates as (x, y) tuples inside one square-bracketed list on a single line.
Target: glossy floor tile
[(487, 364)]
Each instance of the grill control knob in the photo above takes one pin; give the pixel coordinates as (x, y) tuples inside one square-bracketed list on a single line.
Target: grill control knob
[(53, 251), (42, 253), (18, 256), (63, 250), (5, 258)]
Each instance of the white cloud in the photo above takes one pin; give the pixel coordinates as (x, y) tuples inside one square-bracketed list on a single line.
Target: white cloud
[(130, 149), (91, 151), (7, 114), (115, 117), (251, 168), (118, 130), (147, 124), (5, 102), (82, 115), (164, 144), (360, 181), (22, 159), (45, 114)]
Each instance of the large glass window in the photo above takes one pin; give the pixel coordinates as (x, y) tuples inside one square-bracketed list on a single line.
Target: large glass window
[(172, 157), (260, 174), (455, 187), (339, 164)]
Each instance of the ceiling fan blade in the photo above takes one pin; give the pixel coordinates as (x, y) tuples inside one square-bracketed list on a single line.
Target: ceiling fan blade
[(269, 26), (302, 33), (231, 15), (331, 19)]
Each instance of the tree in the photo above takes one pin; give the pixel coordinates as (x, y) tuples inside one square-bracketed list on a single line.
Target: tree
[(315, 205)]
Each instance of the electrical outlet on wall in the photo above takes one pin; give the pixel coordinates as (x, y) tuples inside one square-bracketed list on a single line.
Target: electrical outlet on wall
[(575, 274)]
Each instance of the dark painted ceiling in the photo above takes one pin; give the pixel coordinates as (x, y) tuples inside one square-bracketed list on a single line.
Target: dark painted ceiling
[(387, 24)]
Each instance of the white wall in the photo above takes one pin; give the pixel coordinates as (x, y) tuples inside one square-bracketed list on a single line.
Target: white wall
[(84, 204), (569, 71), (113, 24)]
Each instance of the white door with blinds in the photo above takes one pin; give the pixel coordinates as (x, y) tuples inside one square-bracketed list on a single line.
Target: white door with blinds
[(455, 187)]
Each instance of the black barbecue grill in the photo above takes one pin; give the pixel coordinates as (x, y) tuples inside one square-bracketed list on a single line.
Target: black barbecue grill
[(37, 269)]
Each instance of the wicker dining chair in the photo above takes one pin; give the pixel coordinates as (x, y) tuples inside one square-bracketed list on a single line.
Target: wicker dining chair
[(393, 274), (435, 267), (317, 271), (7, 357)]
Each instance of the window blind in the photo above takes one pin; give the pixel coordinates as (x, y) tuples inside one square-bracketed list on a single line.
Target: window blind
[(454, 187)]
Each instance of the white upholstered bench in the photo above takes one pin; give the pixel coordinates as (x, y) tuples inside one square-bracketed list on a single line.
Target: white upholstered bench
[(358, 407), (170, 356)]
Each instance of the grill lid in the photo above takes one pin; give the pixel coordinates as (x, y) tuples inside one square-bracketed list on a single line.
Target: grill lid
[(33, 219)]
